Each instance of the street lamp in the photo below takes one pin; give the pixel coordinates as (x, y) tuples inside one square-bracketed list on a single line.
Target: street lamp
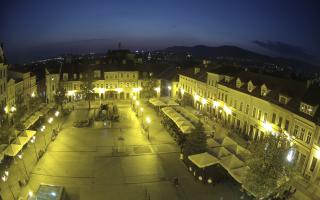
[(169, 88), (57, 113), (33, 140), (44, 135), (157, 89), (20, 156), (141, 109), (148, 120)]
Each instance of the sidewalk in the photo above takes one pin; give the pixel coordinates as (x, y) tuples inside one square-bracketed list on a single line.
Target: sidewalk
[(305, 191), (20, 169)]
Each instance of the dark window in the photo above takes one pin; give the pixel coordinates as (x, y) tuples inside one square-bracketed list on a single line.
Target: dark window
[(273, 118), (286, 125), (280, 121), (313, 164)]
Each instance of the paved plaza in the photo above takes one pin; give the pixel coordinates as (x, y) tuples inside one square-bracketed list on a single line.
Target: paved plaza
[(93, 164)]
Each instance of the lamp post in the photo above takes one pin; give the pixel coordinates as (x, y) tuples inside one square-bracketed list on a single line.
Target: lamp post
[(44, 135), (157, 89), (20, 156), (4, 178), (33, 140), (50, 120), (148, 120)]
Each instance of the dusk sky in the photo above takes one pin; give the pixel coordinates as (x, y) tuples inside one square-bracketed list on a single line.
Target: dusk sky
[(37, 29)]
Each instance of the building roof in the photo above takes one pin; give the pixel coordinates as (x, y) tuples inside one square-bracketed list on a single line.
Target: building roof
[(296, 91)]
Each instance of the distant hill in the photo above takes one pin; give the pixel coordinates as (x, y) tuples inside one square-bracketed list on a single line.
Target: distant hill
[(202, 51)]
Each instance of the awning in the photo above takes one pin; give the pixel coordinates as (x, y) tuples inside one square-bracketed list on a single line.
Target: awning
[(239, 174), (29, 134), (231, 162), (239, 151), (220, 152), (156, 102), (21, 140), (203, 160), (12, 150)]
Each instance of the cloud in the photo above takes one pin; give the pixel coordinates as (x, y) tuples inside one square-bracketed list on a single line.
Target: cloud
[(285, 49)]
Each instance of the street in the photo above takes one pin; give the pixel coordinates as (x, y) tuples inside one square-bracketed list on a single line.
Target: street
[(92, 163)]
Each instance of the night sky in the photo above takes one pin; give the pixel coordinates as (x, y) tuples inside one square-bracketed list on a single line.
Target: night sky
[(36, 29)]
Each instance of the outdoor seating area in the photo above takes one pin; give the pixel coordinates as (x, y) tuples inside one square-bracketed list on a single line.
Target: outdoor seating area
[(182, 123), (212, 169), (161, 102)]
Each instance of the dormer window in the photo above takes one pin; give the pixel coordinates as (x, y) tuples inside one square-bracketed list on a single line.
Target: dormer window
[(251, 87), (283, 99), (238, 83), (308, 109), (264, 90)]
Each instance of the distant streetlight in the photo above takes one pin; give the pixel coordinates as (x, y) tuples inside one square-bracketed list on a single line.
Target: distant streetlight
[(50, 120), (57, 113), (148, 120)]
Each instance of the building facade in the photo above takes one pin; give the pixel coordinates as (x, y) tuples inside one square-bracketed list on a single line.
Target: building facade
[(255, 105)]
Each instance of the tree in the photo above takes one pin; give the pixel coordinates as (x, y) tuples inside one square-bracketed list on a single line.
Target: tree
[(60, 96), (186, 100), (196, 141), (271, 166), (87, 89), (149, 84)]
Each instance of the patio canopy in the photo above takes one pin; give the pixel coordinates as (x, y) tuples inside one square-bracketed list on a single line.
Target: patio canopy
[(12, 150), (239, 174), (220, 152), (239, 151), (203, 160), (156, 102), (183, 124), (21, 140), (29, 134), (231, 162)]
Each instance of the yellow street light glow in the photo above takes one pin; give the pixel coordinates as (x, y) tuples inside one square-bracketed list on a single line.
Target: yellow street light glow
[(57, 113), (290, 155), (134, 98), (203, 101), (13, 109), (4, 178), (216, 104), (227, 110), (119, 90), (157, 89), (50, 120), (20, 156), (71, 93), (141, 109), (267, 126), (169, 87), (33, 94), (6, 173), (101, 90), (148, 120), (137, 103), (136, 89), (196, 97), (6, 109), (317, 155), (30, 193), (182, 91)]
